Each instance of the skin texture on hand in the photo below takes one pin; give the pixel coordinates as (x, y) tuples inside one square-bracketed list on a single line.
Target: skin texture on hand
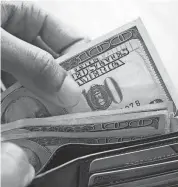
[(31, 39)]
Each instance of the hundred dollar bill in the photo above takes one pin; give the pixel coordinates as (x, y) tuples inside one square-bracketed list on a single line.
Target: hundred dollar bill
[(125, 125), (41, 137), (90, 118), (119, 70)]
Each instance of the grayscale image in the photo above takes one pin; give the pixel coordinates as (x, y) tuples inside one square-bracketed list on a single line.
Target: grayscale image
[(89, 93)]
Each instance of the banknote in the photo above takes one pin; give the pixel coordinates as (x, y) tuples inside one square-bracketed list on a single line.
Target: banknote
[(119, 70), (133, 159), (89, 128), (107, 129), (126, 175), (90, 118)]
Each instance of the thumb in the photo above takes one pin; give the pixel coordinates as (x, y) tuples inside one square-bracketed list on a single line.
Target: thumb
[(15, 168), (38, 71)]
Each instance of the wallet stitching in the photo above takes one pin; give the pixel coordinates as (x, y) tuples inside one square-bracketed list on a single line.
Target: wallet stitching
[(120, 145)]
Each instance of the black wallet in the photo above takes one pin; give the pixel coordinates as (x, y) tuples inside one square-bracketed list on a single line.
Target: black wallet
[(69, 166)]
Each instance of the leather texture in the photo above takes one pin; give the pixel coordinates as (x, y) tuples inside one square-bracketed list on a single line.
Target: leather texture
[(69, 165)]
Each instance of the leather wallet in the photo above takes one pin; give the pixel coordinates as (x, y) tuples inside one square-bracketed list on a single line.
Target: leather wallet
[(69, 165)]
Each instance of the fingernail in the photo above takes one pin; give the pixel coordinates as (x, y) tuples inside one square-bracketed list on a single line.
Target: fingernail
[(69, 93), (30, 175)]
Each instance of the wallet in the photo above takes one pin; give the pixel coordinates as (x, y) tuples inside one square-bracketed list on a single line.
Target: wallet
[(70, 165)]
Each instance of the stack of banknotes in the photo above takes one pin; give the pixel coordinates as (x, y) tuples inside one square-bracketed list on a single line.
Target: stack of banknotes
[(122, 132)]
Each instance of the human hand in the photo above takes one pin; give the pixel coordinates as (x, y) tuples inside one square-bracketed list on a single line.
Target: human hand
[(31, 39), (15, 168)]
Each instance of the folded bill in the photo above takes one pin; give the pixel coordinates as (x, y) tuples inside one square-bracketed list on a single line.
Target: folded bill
[(113, 126), (41, 137), (91, 118), (119, 70)]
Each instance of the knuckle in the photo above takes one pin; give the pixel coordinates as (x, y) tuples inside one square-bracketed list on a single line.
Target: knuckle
[(44, 63), (46, 60)]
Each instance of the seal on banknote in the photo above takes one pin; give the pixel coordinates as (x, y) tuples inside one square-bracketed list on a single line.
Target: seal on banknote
[(24, 107), (156, 101), (98, 97)]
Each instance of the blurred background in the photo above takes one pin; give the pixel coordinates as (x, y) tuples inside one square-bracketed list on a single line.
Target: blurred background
[(97, 17)]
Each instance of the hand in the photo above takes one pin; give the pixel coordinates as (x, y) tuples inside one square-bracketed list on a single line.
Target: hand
[(15, 168), (31, 39)]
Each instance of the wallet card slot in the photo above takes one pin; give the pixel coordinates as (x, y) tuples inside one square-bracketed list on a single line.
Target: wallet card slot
[(127, 175), (70, 152), (85, 166), (165, 180), (135, 158)]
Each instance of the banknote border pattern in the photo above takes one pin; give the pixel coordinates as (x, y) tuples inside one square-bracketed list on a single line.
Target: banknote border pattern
[(68, 64)]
